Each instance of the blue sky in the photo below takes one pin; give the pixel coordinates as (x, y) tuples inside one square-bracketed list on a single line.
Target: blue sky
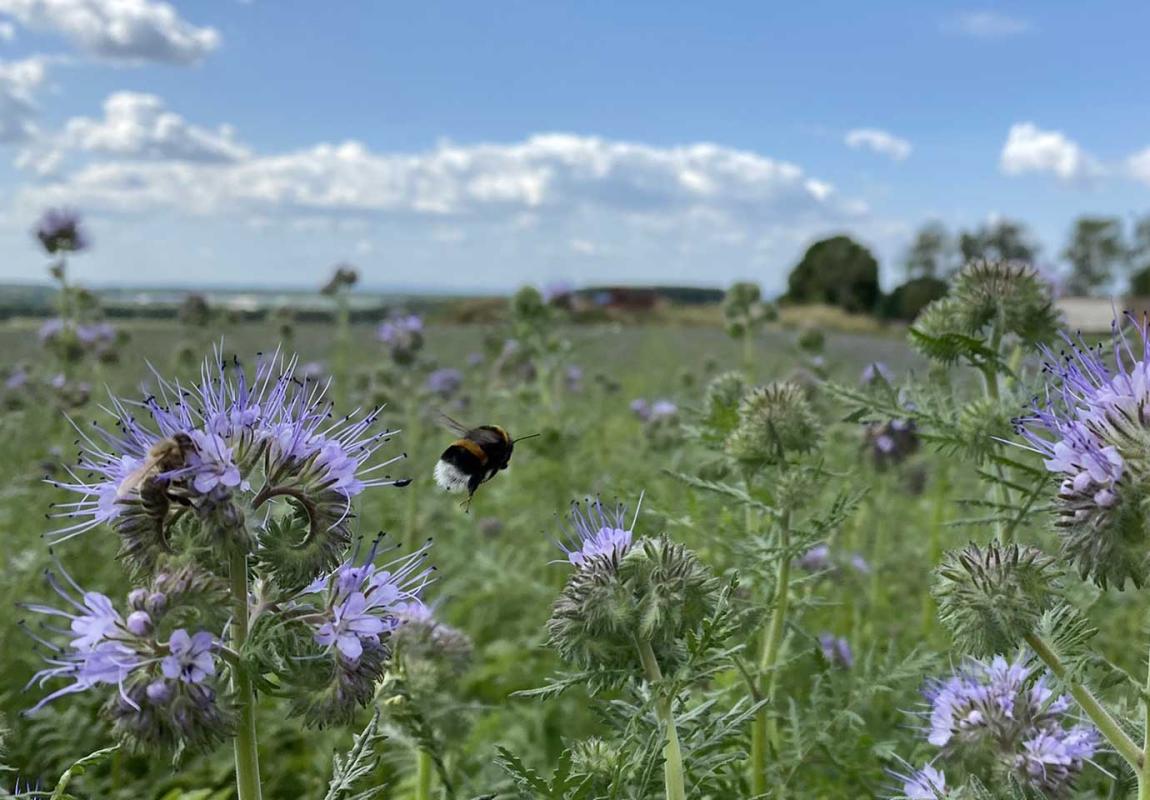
[(466, 145)]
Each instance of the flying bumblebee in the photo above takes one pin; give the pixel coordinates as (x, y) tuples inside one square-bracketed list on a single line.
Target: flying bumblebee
[(476, 457), (164, 456)]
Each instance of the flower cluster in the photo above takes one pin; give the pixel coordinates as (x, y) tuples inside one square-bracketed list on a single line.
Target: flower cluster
[(226, 439), (72, 341), (819, 559), (657, 411), (349, 616), (890, 443), (403, 336), (444, 383), (59, 231), (625, 590), (876, 372), (1091, 428), (836, 650), (165, 690), (1004, 712)]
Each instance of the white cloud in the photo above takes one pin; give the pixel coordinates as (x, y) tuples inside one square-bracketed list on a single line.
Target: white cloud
[(136, 126), (118, 30), (1138, 166), (19, 82), (987, 25), (7, 31), (1030, 149), (545, 174), (878, 141)]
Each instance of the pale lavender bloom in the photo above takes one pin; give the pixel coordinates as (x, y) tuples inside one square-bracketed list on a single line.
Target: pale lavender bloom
[(875, 372), (311, 371), (190, 659), (59, 230), (96, 333), (817, 559), (361, 602), (860, 564), (50, 329), (17, 379), (1052, 759), (663, 409), (574, 378), (592, 532), (229, 417), (444, 382), (641, 408), (58, 381), (927, 783), (475, 359), (399, 329), (836, 650)]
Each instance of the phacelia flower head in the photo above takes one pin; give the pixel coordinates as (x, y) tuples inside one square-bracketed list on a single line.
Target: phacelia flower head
[(1002, 709), (890, 443), (60, 231), (774, 422), (927, 783), (817, 559), (349, 615), (444, 382), (403, 336), (1091, 428), (836, 650), (594, 534), (163, 691), (231, 437), (876, 372)]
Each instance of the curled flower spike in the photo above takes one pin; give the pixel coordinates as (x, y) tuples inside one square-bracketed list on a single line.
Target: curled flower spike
[(1091, 428), (592, 533), (230, 435)]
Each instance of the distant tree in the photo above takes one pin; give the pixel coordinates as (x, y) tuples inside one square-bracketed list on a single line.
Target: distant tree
[(837, 271), (1005, 240), (931, 254), (1140, 259), (907, 301), (1095, 251)]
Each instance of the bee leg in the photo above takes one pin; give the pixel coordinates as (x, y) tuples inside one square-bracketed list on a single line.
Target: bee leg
[(465, 503)]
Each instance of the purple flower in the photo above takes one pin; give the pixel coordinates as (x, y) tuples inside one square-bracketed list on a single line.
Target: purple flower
[(96, 333), (397, 330), (1051, 760), (190, 659), (444, 382), (817, 559), (663, 409), (359, 603), (927, 783), (574, 378), (875, 372), (59, 230), (50, 329), (17, 379), (475, 359), (836, 650), (641, 408), (860, 564), (101, 650), (592, 532), (270, 429)]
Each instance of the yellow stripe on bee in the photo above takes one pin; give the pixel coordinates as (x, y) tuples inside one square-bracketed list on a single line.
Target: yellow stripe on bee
[(473, 448), (506, 436)]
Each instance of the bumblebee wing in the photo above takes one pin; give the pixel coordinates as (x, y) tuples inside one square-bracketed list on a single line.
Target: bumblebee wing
[(488, 434), (455, 426)]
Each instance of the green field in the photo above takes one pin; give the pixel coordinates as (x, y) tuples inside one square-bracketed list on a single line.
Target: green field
[(835, 730)]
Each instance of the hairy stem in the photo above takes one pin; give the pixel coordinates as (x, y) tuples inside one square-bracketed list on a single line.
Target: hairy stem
[(1090, 705), (769, 656), (1144, 772), (422, 775), (676, 786), (246, 747)]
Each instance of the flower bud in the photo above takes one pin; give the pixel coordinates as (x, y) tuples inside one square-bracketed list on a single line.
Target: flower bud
[(139, 623), (775, 421), (991, 598), (137, 598), (156, 603), (159, 692)]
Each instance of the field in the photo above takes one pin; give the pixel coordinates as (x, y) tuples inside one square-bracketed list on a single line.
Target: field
[(757, 686)]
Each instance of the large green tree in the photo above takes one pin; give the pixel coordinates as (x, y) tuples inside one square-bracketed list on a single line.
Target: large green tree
[(1096, 250), (837, 271)]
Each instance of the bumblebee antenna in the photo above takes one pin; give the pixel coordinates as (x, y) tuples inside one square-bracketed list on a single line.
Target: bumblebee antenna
[(528, 436)]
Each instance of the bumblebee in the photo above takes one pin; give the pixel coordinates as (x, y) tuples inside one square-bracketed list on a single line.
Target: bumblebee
[(165, 455), (476, 457)]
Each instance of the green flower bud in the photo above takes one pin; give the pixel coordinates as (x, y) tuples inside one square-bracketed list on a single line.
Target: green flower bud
[(775, 421), (991, 598)]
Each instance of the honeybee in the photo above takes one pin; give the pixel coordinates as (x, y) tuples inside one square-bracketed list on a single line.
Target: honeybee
[(164, 456), (476, 457)]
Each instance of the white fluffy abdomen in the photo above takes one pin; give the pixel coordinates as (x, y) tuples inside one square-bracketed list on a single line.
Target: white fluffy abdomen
[(450, 477)]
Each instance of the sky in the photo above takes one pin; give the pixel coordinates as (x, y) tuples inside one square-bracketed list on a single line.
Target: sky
[(470, 146)]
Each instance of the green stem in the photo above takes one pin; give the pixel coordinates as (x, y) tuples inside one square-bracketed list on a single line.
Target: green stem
[(423, 769), (769, 656), (1144, 772), (1003, 533), (749, 351), (1090, 705), (676, 786), (246, 747), (938, 520)]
